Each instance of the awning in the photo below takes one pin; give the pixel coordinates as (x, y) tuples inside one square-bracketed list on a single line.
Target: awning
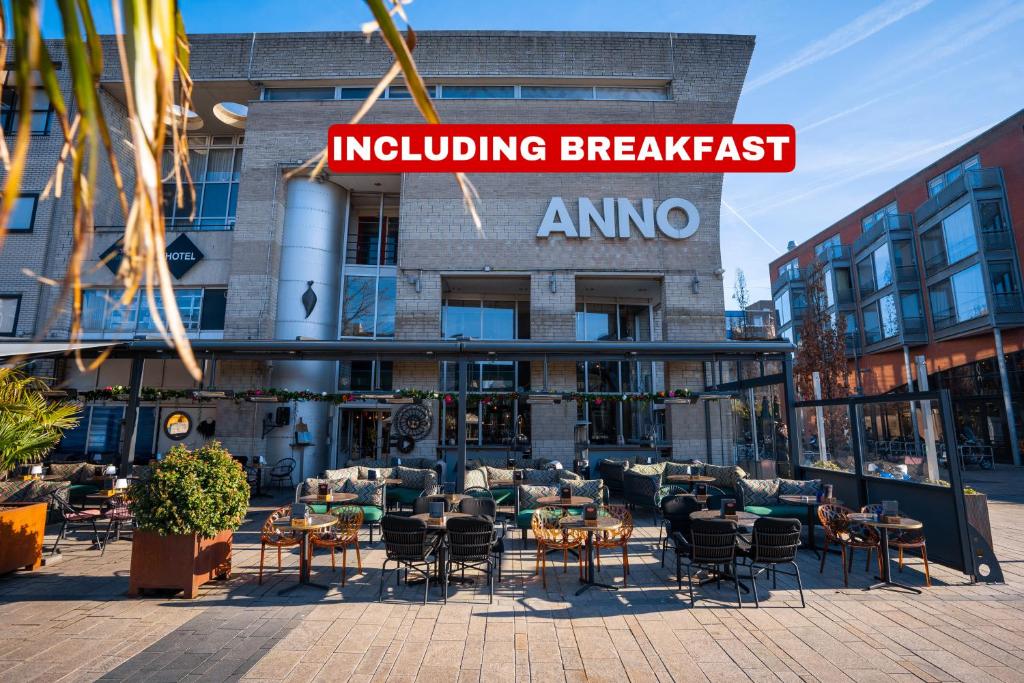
[(20, 350)]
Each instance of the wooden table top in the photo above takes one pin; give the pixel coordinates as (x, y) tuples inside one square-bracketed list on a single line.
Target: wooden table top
[(808, 500), (558, 501), (742, 518), (106, 495), (336, 497), (316, 523), (443, 522), (602, 523), (868, 519), (690, 478)]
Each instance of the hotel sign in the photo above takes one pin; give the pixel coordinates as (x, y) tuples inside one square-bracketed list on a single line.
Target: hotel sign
[(619, 218), (181, 255)]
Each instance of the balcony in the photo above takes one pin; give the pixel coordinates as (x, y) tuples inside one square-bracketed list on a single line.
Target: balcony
[(907, 275), (996, 240), (886, 224), (975, 179), (787, 277), (1007, 302), (834, 252)]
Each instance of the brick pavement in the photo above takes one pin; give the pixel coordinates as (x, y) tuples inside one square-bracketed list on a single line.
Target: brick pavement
[(72, 622)]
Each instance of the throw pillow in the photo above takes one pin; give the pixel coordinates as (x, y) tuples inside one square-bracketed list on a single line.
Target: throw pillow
[(528, 495), (657, 468), (311, 486), (674, 468), (763, 492), (568, 475), (725, 476), (589, 488), (540, 477), (497, 476), (795, 487), (367, 492), (415, 478), (476, 478), (343, 473)]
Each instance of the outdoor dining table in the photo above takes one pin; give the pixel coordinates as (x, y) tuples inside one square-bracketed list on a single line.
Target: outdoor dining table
[(811, 503), (336, 499), (440, 526), (316, 523), (743, 520), (691, 479), (606, 523), (884, 529), (564, 503)]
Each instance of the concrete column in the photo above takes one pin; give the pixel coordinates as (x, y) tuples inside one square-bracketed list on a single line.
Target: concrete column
[(1004, 383), (310, 253)]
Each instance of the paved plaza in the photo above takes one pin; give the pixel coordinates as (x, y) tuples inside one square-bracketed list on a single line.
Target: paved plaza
[(72, 621)]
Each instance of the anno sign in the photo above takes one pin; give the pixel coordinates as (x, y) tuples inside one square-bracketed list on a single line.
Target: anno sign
[(181, 254), (674, 218)]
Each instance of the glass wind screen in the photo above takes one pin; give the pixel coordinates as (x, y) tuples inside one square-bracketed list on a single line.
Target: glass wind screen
[(969, 292), (958, 230)]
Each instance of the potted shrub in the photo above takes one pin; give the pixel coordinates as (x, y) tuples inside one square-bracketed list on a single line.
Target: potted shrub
[(30, 424), (185, 516)]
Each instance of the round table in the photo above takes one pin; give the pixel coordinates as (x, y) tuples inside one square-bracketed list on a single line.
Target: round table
[(316, 523), (691, 479), (602, 523), (742, 519), (811, 503), (337, 498), (439, 526), (884, 528), (565, 503)]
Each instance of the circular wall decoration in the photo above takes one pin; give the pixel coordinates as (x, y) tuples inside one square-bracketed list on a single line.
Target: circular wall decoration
[(177, 425), (413, 420)]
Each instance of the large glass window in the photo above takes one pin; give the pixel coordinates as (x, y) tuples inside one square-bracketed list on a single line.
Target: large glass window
[(23, 213), (9, 307), (611, 421), (883, 266), (790, 266), (478, 92), (103, 314), (953, 240), (359, 306), (890, 318), (326, 93), (370, 275), (959, 299), (936, 184), (827, 247), (783, 310), (41, 110), (215, 166), (830, 289)]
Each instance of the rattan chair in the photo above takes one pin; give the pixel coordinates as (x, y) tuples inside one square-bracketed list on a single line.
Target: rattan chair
[(713, 548), (551, 536), (775, 541), (342, 535), (847, 535), (616, 538), (410, 546), (470, 546), (906, 540), (277, 536)]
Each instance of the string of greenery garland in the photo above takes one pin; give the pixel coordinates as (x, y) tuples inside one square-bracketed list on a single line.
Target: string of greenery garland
[(119, 392)]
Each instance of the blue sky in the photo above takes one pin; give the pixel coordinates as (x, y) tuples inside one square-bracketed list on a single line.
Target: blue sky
[(876, 89)]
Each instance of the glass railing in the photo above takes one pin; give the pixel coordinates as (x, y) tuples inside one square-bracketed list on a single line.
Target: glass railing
[(834, 252), (996, 239), (1007, 302), (907, 274), (914, 326)]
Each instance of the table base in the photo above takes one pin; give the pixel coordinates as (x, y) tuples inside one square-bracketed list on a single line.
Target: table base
[(594, 584), (886, 580), (890, 584), (311, 584)]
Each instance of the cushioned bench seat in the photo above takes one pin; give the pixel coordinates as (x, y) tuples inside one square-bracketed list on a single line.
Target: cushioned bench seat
[(371, 513), (780, 510), (403, 495), (524, 519), (503, 495)]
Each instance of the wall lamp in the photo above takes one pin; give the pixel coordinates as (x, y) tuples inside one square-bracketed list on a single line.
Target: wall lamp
[(695, 284), (553, 283), (414, 280)]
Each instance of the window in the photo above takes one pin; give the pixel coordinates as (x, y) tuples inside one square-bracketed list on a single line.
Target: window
[(492, 417), (950, 241), (1003, 278), (959, 299), (41, 111), (890, 318), (615, 422), (478, 92), (365, 375), (369, 272), (830, 288), (10, 306), (365, 244), (215, 172), (790, 267), (639, 94), (990, 214), (883, 266), (398, 92), (299, 93), (936, 184), (23, 214), (783, 310), (103, 314), (827, 247), (913, 314), (869, 221), (492, 91), (556, 92)]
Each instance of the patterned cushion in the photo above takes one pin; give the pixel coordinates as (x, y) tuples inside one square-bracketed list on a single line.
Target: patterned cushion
[(588, 488), (674, 468), (32, 491), (528, 495), (758, 491), (382, 472), (75, 472), (343, 473), (540, 477), (568, 475), (497, 476), (476, 478), (643, 486), (311, 486), (795, 487), (657, 468), (413, 478), (368, 492), (670, 490), (725, 476)]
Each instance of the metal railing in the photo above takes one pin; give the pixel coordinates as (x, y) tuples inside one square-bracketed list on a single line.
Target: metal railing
[(1007, 302)]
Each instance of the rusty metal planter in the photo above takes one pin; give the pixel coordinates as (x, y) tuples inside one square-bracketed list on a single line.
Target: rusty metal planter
[(178, 562)]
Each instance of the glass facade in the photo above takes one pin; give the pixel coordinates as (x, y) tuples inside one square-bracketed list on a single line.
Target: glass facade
[(369, 272), (215, 166), (105, 316), (40, 114)]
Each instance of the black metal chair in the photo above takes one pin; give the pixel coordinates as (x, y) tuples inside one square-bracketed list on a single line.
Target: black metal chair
[(611, 471), (775, 541), (470, 545), (486, 508), (409, 545), (282, 472), (74, 517), (713, 548), (421, 505), (675, 511)]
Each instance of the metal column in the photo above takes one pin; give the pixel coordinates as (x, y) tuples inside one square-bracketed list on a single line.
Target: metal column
[(791, 415), (1004, 382), (131, 417), (460, 468)]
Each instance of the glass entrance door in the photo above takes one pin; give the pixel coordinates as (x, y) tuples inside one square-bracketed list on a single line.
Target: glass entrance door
[(365, 433)]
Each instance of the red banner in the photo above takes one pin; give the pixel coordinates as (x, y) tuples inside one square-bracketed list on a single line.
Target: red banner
[(561, 148)]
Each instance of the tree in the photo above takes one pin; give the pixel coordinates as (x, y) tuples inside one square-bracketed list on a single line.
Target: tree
[(30, 424), (741, 296)]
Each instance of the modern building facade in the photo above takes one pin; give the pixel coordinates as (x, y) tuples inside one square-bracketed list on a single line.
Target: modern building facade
[(271, 256), (932, 268)]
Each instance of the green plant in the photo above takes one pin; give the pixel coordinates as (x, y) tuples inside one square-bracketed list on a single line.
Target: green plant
[(30, 424), (200, 492), (970, 491), (826, 465)]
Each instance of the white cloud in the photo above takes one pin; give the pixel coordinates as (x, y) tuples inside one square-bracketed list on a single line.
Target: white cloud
[(861, 28)]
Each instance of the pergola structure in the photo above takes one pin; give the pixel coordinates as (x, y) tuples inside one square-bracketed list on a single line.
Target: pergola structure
[(461, 352)]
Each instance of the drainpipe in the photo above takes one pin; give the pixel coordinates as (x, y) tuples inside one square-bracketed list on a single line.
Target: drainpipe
[(1004, 382)]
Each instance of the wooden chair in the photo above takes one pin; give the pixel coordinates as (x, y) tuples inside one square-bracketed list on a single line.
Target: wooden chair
[(277, 536), (342, 535), (551, 536), (907, 540), (839, 530), (616, 538)]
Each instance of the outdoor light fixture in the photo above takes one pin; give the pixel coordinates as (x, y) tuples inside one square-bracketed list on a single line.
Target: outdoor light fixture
[(695, 284), (96, 457), (414, 280), (121, 484), (36, 470), (110, 470)]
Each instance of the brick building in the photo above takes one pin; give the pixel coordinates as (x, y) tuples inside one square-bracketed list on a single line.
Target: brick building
[(931, 268), (397, 256)]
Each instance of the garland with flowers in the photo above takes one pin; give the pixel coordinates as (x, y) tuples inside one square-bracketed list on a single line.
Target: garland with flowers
[(120, 392)]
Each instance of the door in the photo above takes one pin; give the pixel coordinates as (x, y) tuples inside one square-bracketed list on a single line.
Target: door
[(364, 433)]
